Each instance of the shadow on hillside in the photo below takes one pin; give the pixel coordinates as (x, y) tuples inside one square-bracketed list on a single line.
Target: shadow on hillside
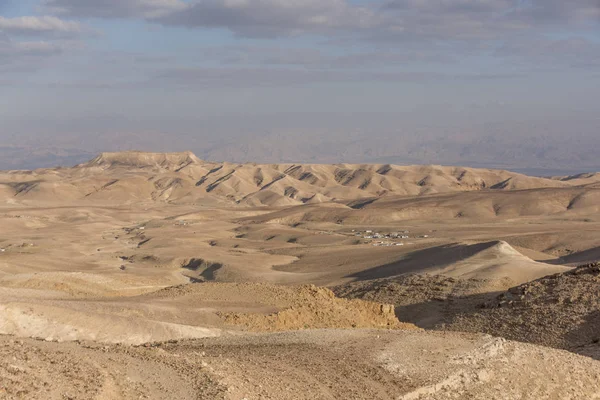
[(203, 270), (455, 313), (581, 257), (421, 260), (586, 338), (436, 314)]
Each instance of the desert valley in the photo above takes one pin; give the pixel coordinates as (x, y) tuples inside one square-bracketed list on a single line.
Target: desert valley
[(149, 275)]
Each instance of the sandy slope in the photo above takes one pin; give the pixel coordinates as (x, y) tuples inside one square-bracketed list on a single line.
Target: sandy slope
[(329, 364), (487, 260), (185, 312)]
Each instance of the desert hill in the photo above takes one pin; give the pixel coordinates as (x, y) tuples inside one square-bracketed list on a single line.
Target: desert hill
[(529, 202), (483, 261), (156, 161), (183, 178), (184, 312), (429, 301), (429, 287), (561, 310)]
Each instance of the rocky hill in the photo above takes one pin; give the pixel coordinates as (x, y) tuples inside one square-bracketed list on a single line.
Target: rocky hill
[(561, 310)]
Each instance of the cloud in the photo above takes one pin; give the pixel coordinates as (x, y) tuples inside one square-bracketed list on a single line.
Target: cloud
[(508, 36), (114, 8), (39, 48), (39, 25), (314, 58), (552, 53), (559, 11), (275, 17), (452, 6), (203, 78), (243, 17), (379, 19), (487, 19), (27, 42), (534, 10), (450, 19), (13, 52), (25, 57)]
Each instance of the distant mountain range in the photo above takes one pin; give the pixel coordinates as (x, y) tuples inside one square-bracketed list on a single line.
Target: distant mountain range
[(127, 177), (539, 155)]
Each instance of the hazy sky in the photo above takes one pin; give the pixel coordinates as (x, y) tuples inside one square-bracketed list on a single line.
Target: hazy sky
[(197, 68)]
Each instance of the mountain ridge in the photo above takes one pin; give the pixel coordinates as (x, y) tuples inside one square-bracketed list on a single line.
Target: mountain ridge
[(184, 177)]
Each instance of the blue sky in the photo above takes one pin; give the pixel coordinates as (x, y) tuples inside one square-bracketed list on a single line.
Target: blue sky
[(163, 67)]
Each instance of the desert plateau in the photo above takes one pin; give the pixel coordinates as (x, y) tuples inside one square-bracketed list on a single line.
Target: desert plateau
[(163, 276)]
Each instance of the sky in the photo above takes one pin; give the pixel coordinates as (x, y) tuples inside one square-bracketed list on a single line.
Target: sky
[(165, 75)]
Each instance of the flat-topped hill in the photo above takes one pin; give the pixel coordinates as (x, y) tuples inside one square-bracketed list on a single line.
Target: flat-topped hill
[(138, 159)]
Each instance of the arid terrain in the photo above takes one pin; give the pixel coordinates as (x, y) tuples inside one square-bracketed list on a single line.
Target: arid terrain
[(145, 275)]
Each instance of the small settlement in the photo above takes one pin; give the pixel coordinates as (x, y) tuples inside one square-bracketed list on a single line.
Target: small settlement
[(387, 239)]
